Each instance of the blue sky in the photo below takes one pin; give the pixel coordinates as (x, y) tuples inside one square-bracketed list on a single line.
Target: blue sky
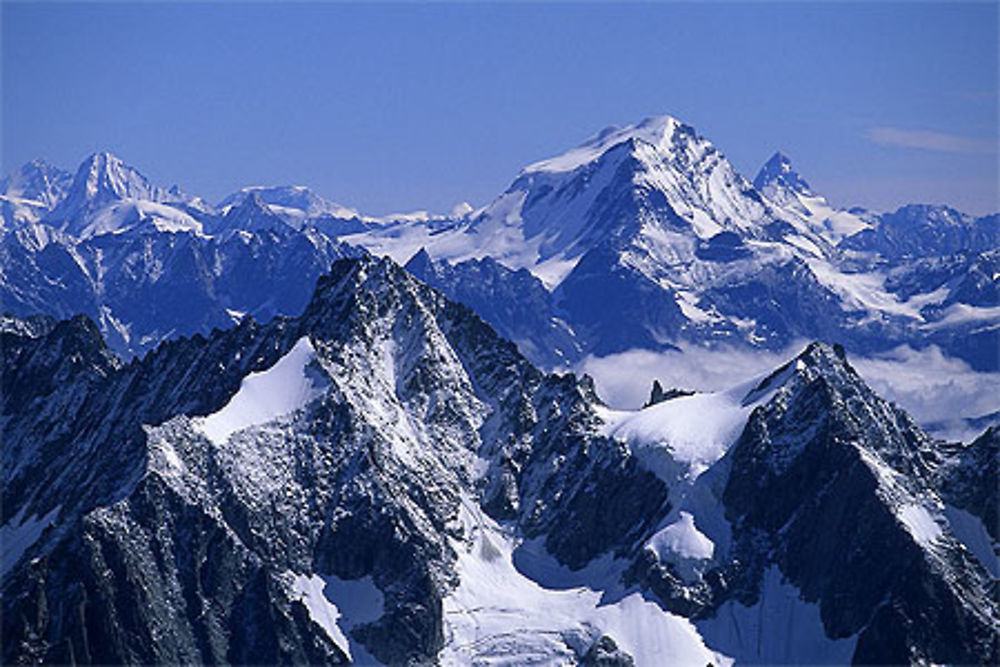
[(391, 107)]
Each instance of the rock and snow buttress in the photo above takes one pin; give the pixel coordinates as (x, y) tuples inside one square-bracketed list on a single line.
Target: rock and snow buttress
[(384, 479)]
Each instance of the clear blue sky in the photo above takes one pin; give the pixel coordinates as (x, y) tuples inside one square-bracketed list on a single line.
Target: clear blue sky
[(391, 107)]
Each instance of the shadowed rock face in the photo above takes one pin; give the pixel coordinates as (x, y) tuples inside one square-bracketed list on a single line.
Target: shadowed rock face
[(970, 479), (828, 483), (515, 303), (162, 541), (183, 549), (825, 478), (143, 287)]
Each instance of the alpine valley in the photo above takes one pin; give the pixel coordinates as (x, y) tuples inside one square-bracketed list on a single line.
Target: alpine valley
[(276, 430)]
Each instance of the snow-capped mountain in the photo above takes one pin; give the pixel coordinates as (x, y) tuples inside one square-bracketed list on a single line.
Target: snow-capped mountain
[(250, 214), (924, 230), (103, 180), (630, 229), (294, 203), (778, 181), (148, 263), (151, 285), (384, 478), (648, 237), (657, 181), (31, 192), (644, 237)]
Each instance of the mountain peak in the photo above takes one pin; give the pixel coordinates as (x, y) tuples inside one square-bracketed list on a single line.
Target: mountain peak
[(37, 181), (817, 358), (420, 264), (101, 179), (294, 203), (103, 158), (106, 173), (778, 173), (658, 131), (252, 214)]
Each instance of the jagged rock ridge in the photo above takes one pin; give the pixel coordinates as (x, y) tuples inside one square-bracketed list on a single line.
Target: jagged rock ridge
[(207, 502)]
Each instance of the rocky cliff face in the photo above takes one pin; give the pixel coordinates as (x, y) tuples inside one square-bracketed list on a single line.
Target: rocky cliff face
[(188, 542), (384, 478), (839, 488)]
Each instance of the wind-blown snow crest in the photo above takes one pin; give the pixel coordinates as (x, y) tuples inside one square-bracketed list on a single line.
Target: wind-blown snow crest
[(284, 388), (656, 131), (695, 430)]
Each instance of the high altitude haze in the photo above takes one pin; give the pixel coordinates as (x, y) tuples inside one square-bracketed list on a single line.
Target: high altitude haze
[(390, 108)]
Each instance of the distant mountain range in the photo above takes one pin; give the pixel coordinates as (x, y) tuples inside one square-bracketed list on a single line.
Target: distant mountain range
[(642, 237)]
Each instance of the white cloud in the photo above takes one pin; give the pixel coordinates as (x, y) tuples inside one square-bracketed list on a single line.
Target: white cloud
[(930, 141), (931, 386), (624, 380)]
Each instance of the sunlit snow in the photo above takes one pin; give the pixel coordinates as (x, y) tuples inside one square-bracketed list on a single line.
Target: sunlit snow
[(919, 523), (498, 615), (696, 430), (682, 538), (284, 388)]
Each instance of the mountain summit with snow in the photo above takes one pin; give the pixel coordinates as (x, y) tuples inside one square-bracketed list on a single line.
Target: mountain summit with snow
[(776, 174), (384, 479), (294, 203), (101, 179), (31, 192), (644, 236)]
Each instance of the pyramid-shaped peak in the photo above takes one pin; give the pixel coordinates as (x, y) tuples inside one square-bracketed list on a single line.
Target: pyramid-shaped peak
[(817, 359), (104, 176), (254, 200), (778, 173), (102, 179), (252, 214), (289, 198), (252, 204), (420, 263)]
